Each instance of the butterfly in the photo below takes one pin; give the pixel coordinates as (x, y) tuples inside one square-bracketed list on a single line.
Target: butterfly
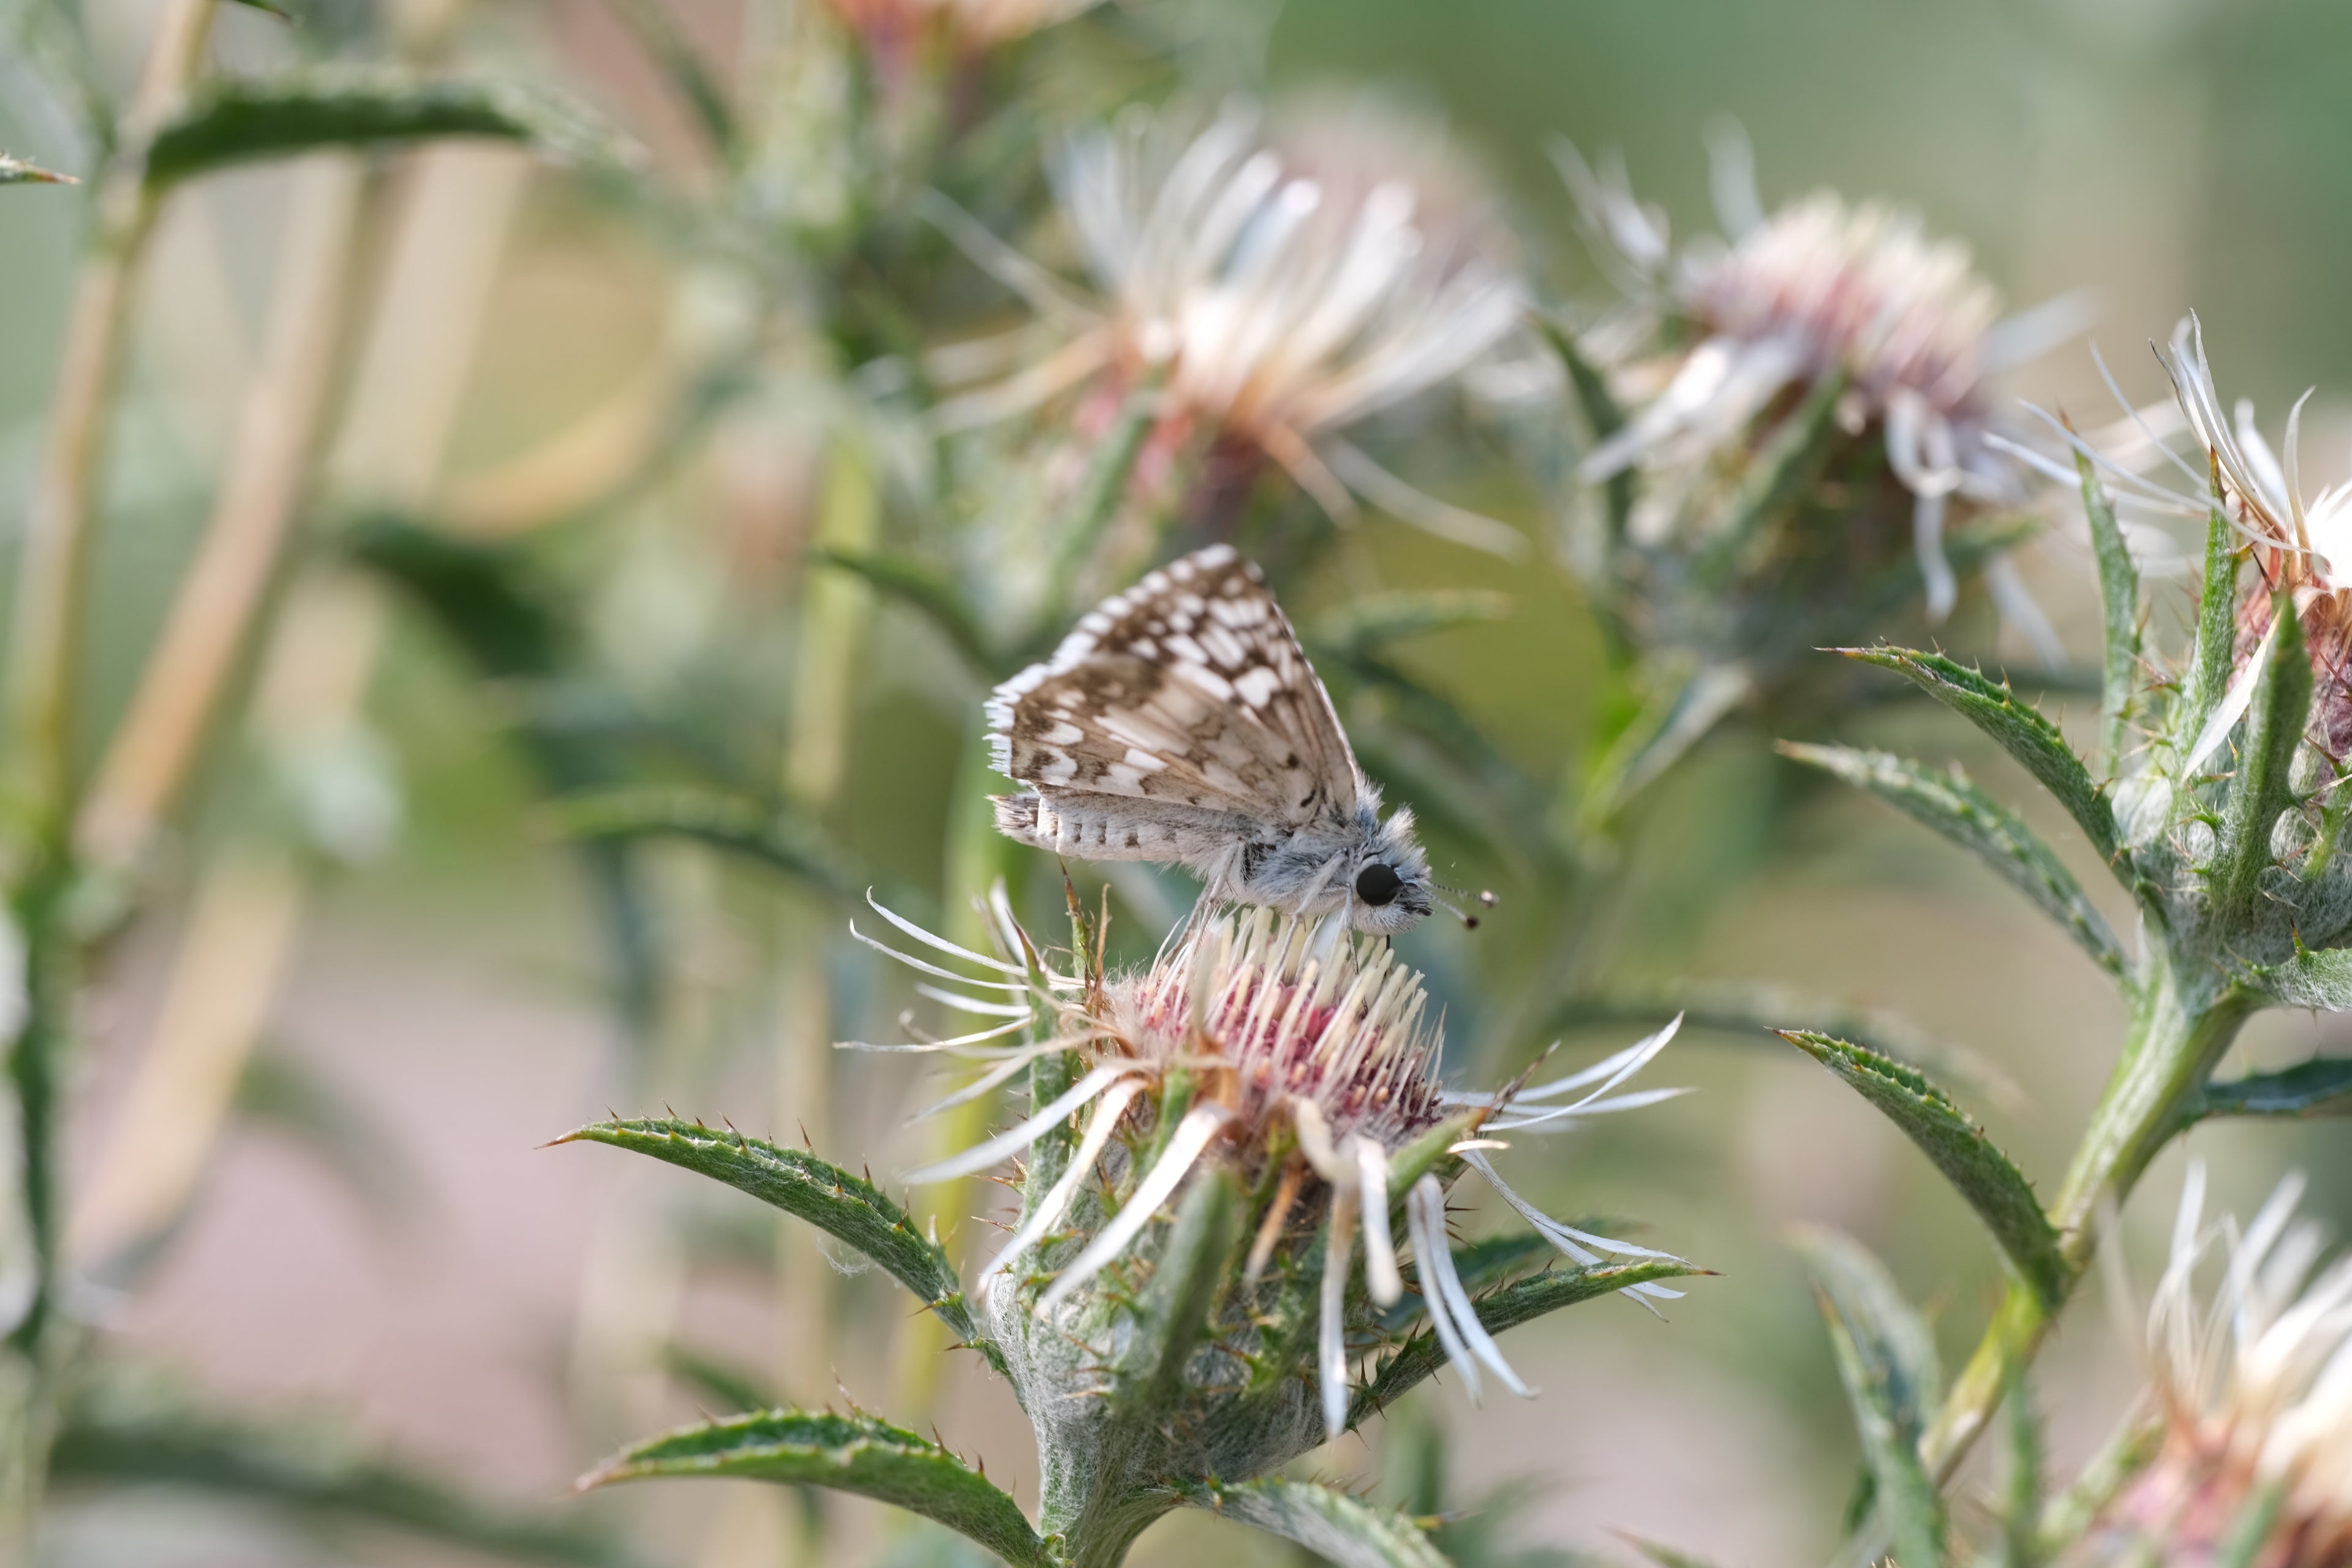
[(1180, 722)]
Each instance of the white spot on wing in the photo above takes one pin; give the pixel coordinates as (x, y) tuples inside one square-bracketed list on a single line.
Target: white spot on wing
[(1258, 688)]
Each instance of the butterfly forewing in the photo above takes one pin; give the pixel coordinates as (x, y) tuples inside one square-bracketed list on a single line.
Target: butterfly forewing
[(1190, 688)]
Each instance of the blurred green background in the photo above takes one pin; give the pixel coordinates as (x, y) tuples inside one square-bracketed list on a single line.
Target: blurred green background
[(2168, 155)]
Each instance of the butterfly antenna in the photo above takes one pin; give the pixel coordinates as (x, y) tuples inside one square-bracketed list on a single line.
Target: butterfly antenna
[(1446, 896)]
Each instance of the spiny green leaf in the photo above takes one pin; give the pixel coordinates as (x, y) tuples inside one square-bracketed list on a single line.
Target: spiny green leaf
[(851, 1210), (1673, 720), (484, 595), (2020, 729), (1421, 1156), (1885, 1357), (1893, 1340), (2217, 623), (2119, 596), (1785, 468), (1982, 1174), (847, 1453), (1601, 413), (771, 833), (1333, 1525), (2274, 723), (1508, 1308), (16, 172), (279, 1090), (117, 1441), (930, 592), (730, 1386), (665, 43), (1172, 1317), (2321, 980), (1964, 814), (2320, 1087), (1369, 623), (238, 119), (1484, 1262)]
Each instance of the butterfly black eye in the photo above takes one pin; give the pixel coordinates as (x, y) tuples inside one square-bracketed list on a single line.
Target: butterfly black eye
[(1377, 884)]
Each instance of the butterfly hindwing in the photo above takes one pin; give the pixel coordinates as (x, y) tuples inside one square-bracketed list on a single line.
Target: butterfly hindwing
[(1190, 688)]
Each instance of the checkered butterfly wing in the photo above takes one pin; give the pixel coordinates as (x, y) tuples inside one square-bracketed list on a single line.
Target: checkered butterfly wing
[(1189, 687)]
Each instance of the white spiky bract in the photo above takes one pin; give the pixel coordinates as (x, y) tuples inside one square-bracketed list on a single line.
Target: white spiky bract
[(1298, 1059), (1276, 289), (2253, 1379), (1820, 289)]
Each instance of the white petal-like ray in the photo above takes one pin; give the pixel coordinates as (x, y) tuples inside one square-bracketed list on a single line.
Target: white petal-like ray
[(1184, 1145), (1057, 1202), (2234, 704), (1005, 1145), (1381, 1274), (1431, 1257), (912, 962), (1331, 1332), (943, 944)]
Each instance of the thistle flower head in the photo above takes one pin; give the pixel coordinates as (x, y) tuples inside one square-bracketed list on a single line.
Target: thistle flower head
[(1290, 1061), (1270, 287), (2252, 1382), (1822, 295)]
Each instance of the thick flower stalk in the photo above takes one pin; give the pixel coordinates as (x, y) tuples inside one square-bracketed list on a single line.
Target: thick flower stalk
[(2251, 1393), (1254, 293), (1232, 1244), (1805, 408)]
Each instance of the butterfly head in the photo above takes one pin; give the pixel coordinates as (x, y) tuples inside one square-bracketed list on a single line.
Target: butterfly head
[(1389, 888)]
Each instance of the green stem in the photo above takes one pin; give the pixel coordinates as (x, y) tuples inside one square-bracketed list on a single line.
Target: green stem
[(40, 790), (1099, 494), (2180, 1027), (1107, 1534)]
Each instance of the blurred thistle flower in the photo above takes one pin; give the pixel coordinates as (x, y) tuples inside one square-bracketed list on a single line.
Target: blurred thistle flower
[(2252, 1385), (1301, 1063), (896, 29), (1821, 293), (1266, 287)]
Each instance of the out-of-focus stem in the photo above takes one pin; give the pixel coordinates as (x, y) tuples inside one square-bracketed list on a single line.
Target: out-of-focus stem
[(1100, 491), (2180, 1027), (977, 856), (188, 672), (240, 933), (315, 674), (836, 609), (37, 737), (61, 518)]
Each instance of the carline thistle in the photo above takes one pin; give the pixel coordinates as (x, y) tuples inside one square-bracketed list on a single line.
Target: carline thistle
[(1283, 1072)]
